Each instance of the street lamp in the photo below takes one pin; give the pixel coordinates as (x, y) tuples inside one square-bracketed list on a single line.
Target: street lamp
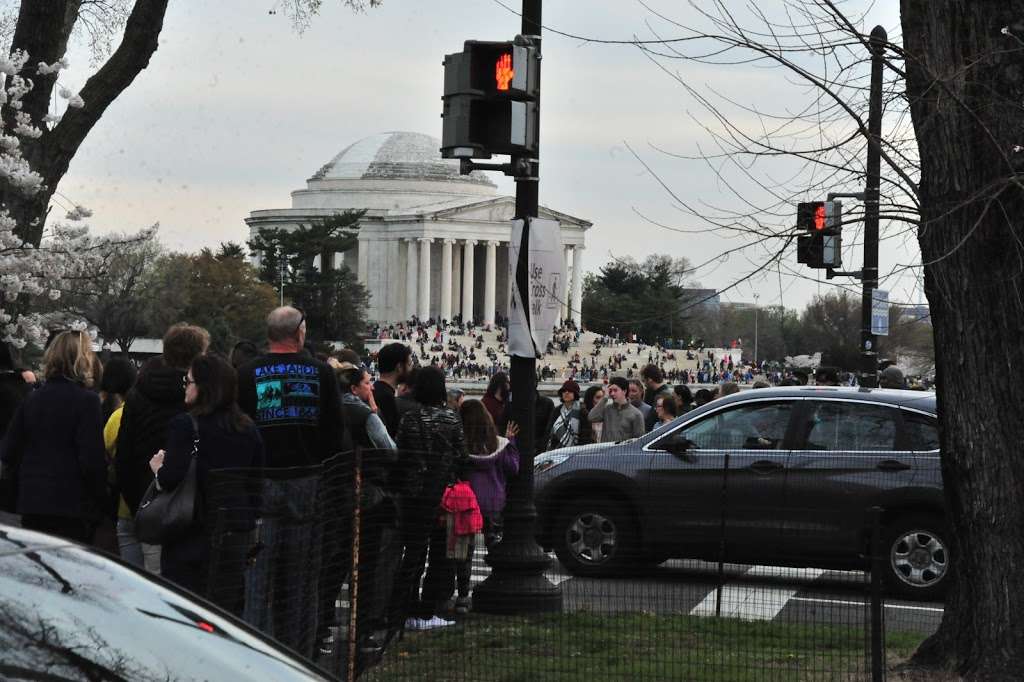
[(756, 297)]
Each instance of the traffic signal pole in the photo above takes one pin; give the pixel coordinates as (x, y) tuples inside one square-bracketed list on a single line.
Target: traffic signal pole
[(517, 583), (869, 352), (868, 274)]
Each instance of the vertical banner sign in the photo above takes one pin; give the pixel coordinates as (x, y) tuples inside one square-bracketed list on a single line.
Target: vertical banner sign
[(879, 312), (529, 339)]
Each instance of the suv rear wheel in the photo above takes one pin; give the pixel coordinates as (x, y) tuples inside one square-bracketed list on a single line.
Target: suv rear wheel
[(918, 558), (595, 537)]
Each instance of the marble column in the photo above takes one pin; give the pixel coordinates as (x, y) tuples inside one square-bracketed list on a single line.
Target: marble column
[(424, 309), (411, 261), (490, 282), (456, 278), (468, 253), (446, 279), (363, 250), (564, 293), (577, 291)]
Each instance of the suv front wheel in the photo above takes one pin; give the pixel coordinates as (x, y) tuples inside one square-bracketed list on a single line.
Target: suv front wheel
[(917, 557), (595, 537)]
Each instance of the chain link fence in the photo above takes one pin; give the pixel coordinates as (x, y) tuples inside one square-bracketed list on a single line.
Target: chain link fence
[(712, 562)]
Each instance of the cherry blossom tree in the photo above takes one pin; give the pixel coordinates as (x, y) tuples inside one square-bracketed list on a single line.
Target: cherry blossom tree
[(34, 274)]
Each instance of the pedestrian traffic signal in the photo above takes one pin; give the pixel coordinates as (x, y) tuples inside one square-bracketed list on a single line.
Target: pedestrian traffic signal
[(819, 216), (810, 216), (822, 248), (490, 100)]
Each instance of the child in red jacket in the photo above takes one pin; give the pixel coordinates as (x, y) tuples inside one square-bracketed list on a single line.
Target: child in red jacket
[(493, 460)]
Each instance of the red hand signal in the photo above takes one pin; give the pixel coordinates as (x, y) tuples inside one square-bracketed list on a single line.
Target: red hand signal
[(503, 72), (819, 217)]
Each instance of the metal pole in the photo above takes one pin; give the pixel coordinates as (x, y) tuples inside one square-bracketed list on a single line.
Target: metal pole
[(724, 502), (756, 297), (869, 350), (877, 614), (353, 580), (517, 583)]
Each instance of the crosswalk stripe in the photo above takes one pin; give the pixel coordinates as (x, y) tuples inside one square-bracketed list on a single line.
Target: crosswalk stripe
[(750, 602)]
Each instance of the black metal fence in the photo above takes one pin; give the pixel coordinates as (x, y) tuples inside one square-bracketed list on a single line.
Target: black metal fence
[(707, 563)]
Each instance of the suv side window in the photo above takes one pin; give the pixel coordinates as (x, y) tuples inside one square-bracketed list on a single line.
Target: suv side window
[(838, 425), (750, 426), (922, 433)]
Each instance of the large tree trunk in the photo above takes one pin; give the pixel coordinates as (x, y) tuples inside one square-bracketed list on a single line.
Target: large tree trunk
[(965, 82), (42, 31)]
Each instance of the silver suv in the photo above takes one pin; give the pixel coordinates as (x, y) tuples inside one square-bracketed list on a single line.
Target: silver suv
[(779, 476)]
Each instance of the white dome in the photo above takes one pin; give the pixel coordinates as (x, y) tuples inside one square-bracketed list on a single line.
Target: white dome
[(397, 156)]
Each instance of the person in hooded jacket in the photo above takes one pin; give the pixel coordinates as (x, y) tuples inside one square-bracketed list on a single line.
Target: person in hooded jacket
[(54, 443), (432, 454), (492, 461), (157, 397)]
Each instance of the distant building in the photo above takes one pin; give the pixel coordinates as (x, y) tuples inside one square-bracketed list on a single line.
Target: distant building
[(701, 299), (739, 305)]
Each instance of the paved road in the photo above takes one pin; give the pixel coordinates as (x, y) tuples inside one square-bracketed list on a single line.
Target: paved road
[(750, 592), (793, 595)]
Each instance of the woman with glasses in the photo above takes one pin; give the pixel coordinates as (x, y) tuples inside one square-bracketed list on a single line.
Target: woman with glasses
[(54, 445), (220, 436), (666, 408)]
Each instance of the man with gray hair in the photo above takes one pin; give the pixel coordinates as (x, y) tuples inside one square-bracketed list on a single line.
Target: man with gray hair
[(295, 402), (292, 397)]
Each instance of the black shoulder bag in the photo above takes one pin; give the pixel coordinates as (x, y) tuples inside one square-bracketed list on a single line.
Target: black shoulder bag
[(166, 515)]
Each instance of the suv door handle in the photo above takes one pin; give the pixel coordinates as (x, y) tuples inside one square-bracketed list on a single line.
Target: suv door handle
[(766, 466), (892, 465)]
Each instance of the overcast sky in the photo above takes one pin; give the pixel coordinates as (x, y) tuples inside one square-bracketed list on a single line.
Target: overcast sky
[(236, 110)]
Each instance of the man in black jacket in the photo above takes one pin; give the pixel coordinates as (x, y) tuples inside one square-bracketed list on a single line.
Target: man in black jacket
[(394, 362), (292, 396), (158, 397), (295, 402), (657, 387)]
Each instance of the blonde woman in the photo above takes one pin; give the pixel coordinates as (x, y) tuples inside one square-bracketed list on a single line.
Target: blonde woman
[(55, 444)]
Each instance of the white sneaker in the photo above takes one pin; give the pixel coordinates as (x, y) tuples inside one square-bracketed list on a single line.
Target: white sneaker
[(437, 622), (432, 624)]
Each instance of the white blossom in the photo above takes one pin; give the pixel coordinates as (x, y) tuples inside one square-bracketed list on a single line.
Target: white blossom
[(28, 130), (64, 92), (11, 64), (79, 212), (44, 69)]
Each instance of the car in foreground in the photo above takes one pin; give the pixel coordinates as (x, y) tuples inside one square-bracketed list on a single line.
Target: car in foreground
[(68, 612), (777, 476)]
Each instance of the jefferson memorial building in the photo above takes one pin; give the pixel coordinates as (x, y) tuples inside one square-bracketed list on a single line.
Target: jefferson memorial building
[(433, 243)]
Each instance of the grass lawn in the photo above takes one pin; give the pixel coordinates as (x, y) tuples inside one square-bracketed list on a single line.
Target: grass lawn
[(588, 647)]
